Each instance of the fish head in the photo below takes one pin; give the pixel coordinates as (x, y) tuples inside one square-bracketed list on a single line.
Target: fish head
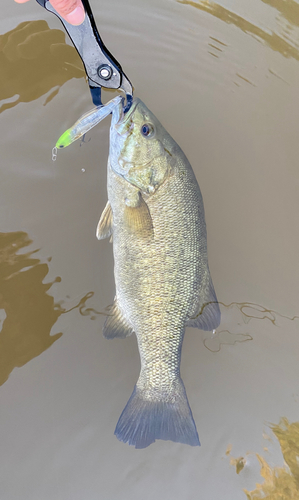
[(140, 147)]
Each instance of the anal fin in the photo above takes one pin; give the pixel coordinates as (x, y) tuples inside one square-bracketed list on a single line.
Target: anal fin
[(116, 326), (104, 227), (207, 317)]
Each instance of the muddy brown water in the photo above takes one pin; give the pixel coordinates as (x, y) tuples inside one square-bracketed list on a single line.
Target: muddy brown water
[(223, 80)]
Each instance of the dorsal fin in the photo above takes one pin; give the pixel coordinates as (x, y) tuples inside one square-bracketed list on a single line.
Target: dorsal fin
[(104, 227), (207, 316), (116, 326)]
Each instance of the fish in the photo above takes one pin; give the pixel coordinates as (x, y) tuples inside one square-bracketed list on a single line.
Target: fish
[(155, 217)]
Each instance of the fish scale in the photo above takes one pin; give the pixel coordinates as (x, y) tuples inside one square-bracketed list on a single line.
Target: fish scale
[(161, 271)]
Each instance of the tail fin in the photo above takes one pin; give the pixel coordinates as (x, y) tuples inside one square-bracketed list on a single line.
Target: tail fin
[(144, 420)]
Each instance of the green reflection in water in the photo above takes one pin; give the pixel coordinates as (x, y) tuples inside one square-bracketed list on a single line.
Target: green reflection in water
[(27, 311), (288, 9), (272, 40), (30, 311), (288, 436), (279, 483), (33, 60)]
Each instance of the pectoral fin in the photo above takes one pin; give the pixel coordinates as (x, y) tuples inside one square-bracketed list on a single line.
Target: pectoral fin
[(116, 326), (207, 316), (104, 228), (138, 219)]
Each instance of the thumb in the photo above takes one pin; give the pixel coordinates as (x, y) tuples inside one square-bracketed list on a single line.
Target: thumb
[(71, 10)]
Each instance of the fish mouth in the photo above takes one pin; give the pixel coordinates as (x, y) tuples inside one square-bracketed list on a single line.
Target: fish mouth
[(126, 116), (122, 125)]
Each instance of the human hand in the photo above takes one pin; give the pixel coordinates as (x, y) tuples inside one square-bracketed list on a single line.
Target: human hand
[(71, 10)]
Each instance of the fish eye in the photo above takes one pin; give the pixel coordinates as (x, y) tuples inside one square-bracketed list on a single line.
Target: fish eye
[(147, 130)]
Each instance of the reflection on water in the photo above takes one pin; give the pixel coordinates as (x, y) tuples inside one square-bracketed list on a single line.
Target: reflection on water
[(288, 436), (239, 462), (27, 312), (288, 9), (237, 315), (214, 341), (30, 311), (280, 483), (251, 373), (33, 60)]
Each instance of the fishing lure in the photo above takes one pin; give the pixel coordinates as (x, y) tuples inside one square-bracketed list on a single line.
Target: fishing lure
[(86, 123)]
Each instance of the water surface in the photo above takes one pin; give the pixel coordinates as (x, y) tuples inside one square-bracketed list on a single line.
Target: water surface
[(223, 80)]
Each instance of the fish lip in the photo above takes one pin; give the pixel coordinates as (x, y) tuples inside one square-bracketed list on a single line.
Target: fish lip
[(124, 119), (126, 116), (121, 112)]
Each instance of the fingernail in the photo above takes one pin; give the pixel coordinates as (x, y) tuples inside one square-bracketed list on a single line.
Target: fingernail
[(76, 17)]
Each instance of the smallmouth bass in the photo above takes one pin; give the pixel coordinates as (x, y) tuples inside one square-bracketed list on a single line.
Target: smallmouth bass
[(155, 216)]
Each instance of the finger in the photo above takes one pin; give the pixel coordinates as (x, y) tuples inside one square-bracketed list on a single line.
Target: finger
[(71, 10), (21, 1)]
